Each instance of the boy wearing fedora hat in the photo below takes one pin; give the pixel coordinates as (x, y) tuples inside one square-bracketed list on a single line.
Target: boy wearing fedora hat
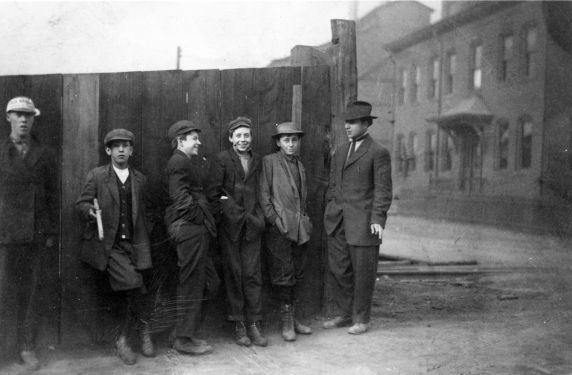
[(191, 225), (113, 203), (358, 197), (236, 176), (28, 225), (283, 193)]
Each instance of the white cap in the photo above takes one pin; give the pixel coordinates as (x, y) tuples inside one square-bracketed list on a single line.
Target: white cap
[(22, 104)]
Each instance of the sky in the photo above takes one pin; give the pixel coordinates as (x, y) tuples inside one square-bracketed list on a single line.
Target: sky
[(91, 37)]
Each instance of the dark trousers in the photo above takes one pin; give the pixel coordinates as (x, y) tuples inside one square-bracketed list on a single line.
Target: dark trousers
[(21, 278), (192, 255), (287, 261), (242, 277), (351, 279)]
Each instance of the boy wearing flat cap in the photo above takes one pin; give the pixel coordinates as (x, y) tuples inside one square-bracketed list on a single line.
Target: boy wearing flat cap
[(358, 197), (283, 194), (118, 194), (28, 224), (236, 176), (190, 224)]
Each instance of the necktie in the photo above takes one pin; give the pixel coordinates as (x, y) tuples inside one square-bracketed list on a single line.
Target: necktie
[(352, 150)]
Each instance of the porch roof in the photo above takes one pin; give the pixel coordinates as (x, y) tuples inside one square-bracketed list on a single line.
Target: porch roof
[(472, 111)]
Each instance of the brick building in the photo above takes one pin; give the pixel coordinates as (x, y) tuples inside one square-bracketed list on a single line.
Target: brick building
[(482, 117)]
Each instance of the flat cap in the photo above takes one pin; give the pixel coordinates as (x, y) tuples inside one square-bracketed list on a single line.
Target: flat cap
[(238, 122), (287, 128), (118, 135), (182, 127)]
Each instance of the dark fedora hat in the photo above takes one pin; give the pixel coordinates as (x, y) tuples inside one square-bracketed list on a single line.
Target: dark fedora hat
[(358, 110), (287, 128)]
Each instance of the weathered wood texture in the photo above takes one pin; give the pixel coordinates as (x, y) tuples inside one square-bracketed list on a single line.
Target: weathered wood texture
[(86, 107)]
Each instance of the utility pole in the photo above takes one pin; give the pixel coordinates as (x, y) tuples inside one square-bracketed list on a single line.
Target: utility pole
[(179, 57)]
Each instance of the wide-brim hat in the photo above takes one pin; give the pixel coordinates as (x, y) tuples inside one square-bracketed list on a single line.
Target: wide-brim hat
[(182, 127), (22, 104), (118, 135), (358, 110), (287, 128)]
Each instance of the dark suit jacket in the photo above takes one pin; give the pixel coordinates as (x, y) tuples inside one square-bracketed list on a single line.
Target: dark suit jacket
[(241, 208), (359, 192), (280, 198), (101, 183), (188, 201), (28, 193)]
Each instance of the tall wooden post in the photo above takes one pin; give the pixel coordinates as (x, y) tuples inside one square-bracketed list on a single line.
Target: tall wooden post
[(343, 75)]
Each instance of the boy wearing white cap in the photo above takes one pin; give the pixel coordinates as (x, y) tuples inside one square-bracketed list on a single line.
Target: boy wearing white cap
[(28, 222)]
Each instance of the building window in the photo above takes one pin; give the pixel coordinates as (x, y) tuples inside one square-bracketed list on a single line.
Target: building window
[(525, 144), (507, 46), (502, 144), (413, 147), (447, 154), (451, 67), (531, 49), (434, 70), (476, 67), (430, 149), (402, 86), (401, 156), (416, 75)]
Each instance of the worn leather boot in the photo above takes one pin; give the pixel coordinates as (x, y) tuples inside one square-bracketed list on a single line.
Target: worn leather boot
[(240, 334), (288, 332), (30, 360), (147, 347), (301, 328), (255, 335), (124, 351)]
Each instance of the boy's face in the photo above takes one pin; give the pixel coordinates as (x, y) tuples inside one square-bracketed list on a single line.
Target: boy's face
[(120, 151), (355, 128), (21, 123), (289, 144), (190, 143), (241, 139)]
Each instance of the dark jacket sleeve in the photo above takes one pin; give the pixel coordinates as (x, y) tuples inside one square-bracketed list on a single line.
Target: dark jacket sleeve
[(52, 191), (383, 193), (85, 200), (331, 191), (266, 191)]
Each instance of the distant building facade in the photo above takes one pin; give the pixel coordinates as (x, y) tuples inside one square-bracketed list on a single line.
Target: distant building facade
[(482, 112)]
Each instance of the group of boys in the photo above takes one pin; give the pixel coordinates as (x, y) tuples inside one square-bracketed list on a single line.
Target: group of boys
[(241, 199)]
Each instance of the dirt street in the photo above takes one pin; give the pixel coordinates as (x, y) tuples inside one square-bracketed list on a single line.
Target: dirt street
[(515, 321)]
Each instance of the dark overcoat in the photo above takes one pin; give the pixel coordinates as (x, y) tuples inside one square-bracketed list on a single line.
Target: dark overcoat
[(359, 192), (28, 193), (101, 183), (241, 207)]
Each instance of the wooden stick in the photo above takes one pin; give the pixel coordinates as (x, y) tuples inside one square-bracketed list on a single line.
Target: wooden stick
[(98, 218)]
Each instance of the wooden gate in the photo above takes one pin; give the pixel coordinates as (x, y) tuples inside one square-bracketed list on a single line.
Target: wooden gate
[(78, 110)]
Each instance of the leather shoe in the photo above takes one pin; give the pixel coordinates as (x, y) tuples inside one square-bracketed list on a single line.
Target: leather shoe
[(301, 328), (338, 321), (30, 360), (240, 335), (147, 347), (188, 347), (255, 335), (358, 329), (124, 351)]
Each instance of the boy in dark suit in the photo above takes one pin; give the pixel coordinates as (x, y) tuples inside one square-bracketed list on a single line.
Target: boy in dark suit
[(28, 223), (191, 225), (236, 175), (125, 249), (283, 194), (358, 197)]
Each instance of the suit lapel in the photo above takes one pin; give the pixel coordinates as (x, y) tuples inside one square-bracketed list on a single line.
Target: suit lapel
[(286, 168), (253, 165), (33, 153), (361, 151), (236, 164), (111, 183)]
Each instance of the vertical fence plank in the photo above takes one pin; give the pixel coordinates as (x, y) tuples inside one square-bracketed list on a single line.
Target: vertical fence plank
[(316, 120), (80, 145)]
